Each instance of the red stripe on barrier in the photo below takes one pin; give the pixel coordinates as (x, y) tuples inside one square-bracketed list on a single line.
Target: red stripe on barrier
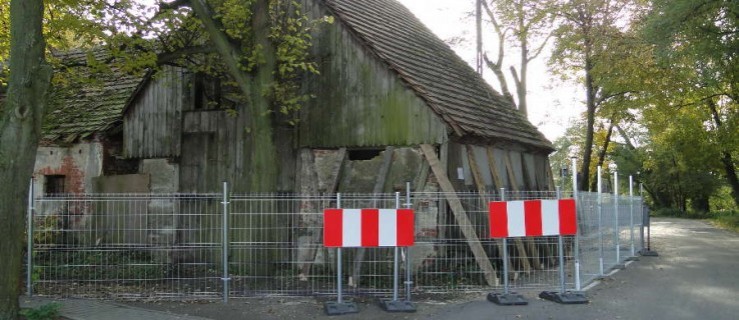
[(532, 214), (332, 227), (405, 227), (498, 219), (567, 217), (370, 227)]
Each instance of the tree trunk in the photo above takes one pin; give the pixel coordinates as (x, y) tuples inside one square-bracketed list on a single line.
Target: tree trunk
[(20, 127), (602, 153), (521, 84), (588, 147), (726, 159), (261, 155)]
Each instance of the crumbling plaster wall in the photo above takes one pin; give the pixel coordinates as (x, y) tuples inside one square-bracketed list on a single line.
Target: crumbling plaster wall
[(78, 163)]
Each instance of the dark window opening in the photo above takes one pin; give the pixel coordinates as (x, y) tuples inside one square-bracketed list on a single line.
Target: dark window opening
[(207, 92), (364, 154), (54, 184)]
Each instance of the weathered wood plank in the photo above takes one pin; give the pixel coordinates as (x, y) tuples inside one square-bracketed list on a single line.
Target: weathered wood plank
[(460, 215), (494, 169)]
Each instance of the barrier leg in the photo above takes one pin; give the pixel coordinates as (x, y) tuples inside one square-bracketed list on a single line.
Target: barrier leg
[(396, 305), (339, 307), (647, 252), (506, 298), (563, 296)]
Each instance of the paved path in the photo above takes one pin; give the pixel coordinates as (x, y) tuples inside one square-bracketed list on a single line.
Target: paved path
[(82, 309), (696, 276)]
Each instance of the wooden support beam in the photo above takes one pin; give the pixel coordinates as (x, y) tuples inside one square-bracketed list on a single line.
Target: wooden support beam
[(476, 175), (460, 215), (550, 176), (511, 174)]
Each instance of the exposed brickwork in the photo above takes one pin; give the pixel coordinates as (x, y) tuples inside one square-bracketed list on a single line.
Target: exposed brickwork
[(74, 181)]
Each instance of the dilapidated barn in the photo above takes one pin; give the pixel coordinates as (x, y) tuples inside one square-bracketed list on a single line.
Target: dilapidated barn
[(393, 104), (387, 84)]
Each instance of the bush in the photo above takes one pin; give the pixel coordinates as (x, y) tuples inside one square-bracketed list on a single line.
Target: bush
[(46, 312), (668, 212), (728, 219)]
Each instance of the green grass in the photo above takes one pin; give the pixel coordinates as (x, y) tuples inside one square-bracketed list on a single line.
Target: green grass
[(46, 312), (728, 219)]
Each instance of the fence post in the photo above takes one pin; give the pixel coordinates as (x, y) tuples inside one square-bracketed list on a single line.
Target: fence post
[(505, 252), (641, 214), (408, 273), (578, 284), (600, 222), (395, 256), (29, 241), (617, 222), (631, 214), (225, 240)]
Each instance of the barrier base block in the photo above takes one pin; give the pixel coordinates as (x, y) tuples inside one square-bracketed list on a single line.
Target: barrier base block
[(569, 297), (648, 253), (335, 308), (507, 299), (619, 266), (632, 259), (397, 306)]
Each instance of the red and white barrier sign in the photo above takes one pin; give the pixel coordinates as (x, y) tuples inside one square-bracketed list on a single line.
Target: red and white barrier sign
[(532, 218), (368, 227)]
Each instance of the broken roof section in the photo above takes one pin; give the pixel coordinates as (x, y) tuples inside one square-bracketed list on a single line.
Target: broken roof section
[(85, 99), (441, 78)]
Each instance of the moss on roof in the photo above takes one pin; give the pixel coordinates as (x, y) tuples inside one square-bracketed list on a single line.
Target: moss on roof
[(88, 96), (428, 65)]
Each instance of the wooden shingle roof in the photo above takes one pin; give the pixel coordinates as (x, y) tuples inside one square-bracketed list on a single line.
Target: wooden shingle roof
[(428, 65), (88, 101)]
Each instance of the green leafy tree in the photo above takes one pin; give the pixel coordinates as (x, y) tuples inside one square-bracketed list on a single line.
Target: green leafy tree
[(584, 37), (260, 46), (699, 41)]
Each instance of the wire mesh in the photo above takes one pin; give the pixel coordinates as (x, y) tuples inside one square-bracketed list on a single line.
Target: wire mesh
[(170, 245)]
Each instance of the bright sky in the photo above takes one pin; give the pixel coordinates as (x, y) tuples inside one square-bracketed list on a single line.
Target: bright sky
[(552, 104)]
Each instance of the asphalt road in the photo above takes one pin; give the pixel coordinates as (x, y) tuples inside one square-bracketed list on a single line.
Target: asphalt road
[(696, 276)]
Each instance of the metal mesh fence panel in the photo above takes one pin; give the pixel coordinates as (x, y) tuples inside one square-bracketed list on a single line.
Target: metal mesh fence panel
[(126, 245), (171, 246)]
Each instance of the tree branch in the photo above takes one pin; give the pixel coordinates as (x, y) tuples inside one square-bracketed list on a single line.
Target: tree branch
[(174, 5), (168, 57)]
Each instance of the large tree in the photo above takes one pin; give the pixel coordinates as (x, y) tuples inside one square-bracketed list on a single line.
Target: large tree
[(584, 36), (260, 46), (699, 41), (20, 126)]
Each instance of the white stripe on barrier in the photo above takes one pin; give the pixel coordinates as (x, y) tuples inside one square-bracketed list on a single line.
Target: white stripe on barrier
[(516, 219), (352, 228), (550, 217), (388, 235)]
